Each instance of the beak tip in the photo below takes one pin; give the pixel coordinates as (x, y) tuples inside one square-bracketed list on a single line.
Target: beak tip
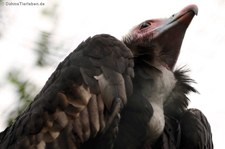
[(193, 8)]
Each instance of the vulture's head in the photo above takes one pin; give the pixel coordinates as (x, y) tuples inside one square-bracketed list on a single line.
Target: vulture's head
[(158, 41)]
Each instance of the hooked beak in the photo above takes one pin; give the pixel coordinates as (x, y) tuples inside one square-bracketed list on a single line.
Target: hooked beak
[(170, 33)]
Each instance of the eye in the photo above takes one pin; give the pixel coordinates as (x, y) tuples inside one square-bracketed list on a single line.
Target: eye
[(144, 25)]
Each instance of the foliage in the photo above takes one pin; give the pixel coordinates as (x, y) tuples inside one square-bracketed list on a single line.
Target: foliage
[(26, 90), (42, 50)]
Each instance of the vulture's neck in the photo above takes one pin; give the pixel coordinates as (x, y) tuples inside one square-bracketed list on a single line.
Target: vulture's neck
[(155, 84), (177, 102)]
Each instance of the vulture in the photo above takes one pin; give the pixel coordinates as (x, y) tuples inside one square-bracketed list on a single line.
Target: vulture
[(117, 94)]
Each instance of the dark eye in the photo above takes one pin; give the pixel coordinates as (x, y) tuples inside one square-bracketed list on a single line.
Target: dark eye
[(144, 25)]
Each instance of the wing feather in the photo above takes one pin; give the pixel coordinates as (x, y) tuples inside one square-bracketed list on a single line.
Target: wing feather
[(197, 134), (79, 101)]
